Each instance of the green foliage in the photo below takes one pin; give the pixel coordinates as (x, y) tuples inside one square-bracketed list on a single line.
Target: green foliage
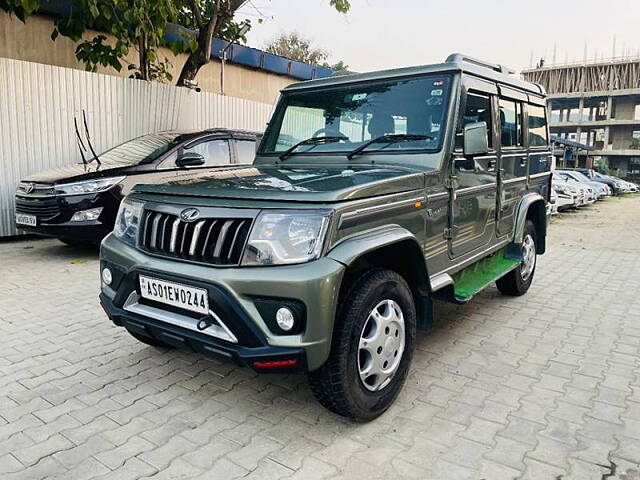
[(135, 24), (296, 47), (602, 165)]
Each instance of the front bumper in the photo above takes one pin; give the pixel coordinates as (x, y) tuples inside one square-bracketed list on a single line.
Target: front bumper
[(233, 295)]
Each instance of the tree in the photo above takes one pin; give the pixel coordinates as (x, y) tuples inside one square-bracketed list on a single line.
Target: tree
[(214, 18), (296, 47), (135, 24)]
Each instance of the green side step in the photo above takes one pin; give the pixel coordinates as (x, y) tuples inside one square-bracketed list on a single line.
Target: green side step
[(471, 280)]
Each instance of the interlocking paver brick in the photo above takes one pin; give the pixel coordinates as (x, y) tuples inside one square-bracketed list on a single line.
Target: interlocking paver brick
[(501, 388)]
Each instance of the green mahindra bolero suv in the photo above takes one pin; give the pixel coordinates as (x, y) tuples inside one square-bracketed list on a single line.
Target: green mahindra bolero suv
[(370, 195)]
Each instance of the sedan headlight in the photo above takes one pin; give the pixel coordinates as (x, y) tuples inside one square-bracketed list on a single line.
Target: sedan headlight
[(283, 237), (90, 186), (128, 221)]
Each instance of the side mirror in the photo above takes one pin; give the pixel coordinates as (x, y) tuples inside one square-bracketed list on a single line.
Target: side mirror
[(475, 139), (189, 159)]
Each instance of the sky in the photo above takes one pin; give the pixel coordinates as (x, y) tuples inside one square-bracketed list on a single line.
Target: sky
[(379, 34)]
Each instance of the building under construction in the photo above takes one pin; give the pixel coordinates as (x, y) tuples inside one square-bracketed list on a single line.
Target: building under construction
[(596, 105)]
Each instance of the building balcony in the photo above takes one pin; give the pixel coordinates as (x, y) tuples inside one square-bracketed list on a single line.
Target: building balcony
[(612, 122)]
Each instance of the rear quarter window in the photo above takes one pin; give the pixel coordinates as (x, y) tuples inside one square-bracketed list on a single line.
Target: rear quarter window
[(537, 126)]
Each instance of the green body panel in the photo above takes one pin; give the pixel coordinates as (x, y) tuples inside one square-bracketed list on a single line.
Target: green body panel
[(315, 283), (475, 278)]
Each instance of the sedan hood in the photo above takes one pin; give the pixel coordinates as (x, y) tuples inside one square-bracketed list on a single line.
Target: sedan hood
[(296, 183), (78, 172)]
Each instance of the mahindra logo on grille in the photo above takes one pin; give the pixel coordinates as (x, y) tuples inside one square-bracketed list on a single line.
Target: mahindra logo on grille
[(190, 215), (29, 188)]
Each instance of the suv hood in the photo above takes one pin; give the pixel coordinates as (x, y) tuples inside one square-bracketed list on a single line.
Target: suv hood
[(296, 183)]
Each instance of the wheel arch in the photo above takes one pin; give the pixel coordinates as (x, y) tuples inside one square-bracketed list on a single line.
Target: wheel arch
[(394, 248), (532, 207)]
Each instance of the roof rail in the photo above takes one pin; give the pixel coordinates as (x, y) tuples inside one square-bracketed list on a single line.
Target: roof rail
[(460, 57)]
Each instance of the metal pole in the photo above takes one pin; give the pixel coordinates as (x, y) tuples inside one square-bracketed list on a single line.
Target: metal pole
[(224, 56)]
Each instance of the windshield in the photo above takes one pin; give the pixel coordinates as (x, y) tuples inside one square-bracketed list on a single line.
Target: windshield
[(143, 149), (360, 113)]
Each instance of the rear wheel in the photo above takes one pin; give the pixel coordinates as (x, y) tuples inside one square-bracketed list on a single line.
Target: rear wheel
[(148, 340), (518, 280), (373, 342)]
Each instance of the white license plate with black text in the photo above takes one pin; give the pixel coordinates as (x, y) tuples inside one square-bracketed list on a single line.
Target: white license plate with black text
[(175, 294), (22, 219)]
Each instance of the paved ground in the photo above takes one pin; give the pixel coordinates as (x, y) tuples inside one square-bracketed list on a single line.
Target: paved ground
[(541, 387)]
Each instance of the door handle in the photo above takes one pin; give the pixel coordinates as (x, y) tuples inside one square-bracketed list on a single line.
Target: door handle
[(523, 162), (491, 165)]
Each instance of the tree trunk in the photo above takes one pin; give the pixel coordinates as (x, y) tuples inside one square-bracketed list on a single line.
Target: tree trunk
[(202, 54), (144, 57), (223, 10)]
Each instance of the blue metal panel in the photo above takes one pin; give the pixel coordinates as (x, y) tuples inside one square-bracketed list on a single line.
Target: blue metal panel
[(216, 47), (247, 56), (276, 64), (321, 72), (300, 70)]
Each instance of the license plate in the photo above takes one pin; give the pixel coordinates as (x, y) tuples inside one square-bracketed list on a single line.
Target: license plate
[(175, 294), (22, 219)]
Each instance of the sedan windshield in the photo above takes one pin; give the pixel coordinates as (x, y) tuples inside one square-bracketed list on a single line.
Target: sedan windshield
[(356, 114), (143, 149)]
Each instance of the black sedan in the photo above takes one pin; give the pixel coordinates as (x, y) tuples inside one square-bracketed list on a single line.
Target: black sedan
[(79, 203)]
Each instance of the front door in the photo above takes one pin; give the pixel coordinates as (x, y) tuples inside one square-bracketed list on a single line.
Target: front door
[(475, 177)]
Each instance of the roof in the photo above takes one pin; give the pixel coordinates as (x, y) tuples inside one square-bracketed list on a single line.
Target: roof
[(454, 63)]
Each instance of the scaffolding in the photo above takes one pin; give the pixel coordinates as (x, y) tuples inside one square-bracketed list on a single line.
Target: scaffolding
[(602, 76)]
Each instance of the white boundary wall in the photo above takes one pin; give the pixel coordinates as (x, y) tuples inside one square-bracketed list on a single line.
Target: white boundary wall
[(38, 104)]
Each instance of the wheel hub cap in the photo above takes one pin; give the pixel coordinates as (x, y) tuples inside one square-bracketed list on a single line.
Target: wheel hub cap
[(528, 257), (381, 345)]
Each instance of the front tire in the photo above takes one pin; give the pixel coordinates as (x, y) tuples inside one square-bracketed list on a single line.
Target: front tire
[(518, 280), (372, 348)]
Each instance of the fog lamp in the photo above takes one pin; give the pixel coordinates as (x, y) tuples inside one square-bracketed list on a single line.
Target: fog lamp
[(285, 319), (107, 277), (86, 215)]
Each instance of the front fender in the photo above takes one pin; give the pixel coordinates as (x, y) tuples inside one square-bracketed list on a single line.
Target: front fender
[(352, 248), (527, 202)]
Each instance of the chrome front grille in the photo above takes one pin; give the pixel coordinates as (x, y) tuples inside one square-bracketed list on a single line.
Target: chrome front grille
[(41, 208), (218, 241)]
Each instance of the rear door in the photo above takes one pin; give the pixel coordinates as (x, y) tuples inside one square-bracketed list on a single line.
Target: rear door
[(475, 177), (512, 176)]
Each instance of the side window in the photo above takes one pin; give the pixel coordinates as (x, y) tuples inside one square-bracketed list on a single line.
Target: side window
[(246, 151), (478, 109), (215, 152), (537, 126), (510, 123)]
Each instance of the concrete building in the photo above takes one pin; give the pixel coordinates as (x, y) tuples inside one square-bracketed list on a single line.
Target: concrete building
[(595, 104)]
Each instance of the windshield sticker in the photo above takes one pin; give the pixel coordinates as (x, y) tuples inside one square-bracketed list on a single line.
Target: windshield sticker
[(438, 83), (436, 92), (356, 97)]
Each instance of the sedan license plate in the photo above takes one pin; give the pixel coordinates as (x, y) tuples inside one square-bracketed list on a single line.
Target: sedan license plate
[(175, 294), (22, 219)]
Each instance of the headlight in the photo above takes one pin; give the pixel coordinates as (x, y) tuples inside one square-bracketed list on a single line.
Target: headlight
[(284, 237), (128, 221), (90, 186)]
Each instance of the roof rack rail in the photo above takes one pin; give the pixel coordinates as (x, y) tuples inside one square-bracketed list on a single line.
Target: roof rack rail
[(460, 57)]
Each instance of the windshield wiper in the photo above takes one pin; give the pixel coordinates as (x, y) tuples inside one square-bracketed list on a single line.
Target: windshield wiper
[(312, 141), (388, 139)]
